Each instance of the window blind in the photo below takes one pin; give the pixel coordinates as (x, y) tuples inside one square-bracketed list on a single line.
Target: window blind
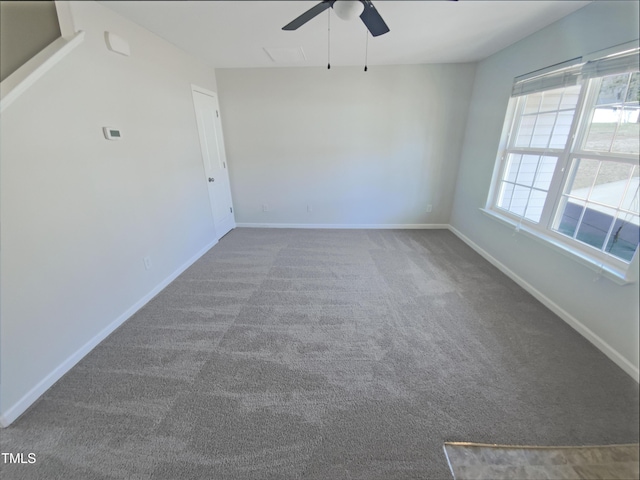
[(572, 71), (623, 62), (563, 74)]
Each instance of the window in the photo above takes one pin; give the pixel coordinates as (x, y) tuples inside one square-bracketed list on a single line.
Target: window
[(569, 167)]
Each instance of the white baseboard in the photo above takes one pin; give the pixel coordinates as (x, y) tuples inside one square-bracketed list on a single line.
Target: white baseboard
[(603, 346), (372, 226), (225, 227), (8, 416)]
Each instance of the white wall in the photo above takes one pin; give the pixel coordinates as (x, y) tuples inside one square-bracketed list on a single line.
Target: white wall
[(370, 148), (79, 212), (608, 311)]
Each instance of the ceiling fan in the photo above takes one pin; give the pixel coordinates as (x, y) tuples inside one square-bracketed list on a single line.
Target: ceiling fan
[(345, 9)]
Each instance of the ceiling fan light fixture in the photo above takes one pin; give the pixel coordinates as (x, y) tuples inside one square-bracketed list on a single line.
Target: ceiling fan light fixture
[(348, 9)]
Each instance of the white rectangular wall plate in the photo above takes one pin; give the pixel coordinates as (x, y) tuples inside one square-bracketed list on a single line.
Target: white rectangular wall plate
[(117, 44), (111, 133)]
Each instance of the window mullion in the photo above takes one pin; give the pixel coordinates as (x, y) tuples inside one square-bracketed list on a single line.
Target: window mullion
[(585, 112), (629, 158), (561, 173), (553, 194)]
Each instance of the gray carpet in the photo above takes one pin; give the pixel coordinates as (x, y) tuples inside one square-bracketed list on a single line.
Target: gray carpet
[(325, 354)]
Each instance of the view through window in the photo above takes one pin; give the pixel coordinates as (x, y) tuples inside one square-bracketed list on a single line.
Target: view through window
[(570, 166)]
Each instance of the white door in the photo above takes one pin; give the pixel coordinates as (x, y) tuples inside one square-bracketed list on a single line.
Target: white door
[(214, 158)]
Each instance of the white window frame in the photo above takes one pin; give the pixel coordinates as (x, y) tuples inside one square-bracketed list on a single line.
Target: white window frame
[(618, 270)]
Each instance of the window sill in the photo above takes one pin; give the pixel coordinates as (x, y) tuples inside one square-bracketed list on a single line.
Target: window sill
[(614, 274)]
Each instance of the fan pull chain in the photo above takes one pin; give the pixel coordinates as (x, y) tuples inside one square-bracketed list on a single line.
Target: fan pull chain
[(366, 51), (328, 39)]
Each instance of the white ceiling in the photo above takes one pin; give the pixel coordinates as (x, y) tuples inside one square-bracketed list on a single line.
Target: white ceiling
[(232, 34)]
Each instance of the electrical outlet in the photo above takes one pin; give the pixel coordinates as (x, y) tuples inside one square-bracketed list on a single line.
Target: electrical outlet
[(309, 208), (265, 207), (429, 208), (147, 263)]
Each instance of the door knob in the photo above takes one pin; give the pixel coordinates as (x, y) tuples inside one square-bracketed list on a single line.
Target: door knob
[(211, 179)]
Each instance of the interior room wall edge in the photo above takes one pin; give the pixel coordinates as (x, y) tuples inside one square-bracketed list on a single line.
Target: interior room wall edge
[(354, 226)]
